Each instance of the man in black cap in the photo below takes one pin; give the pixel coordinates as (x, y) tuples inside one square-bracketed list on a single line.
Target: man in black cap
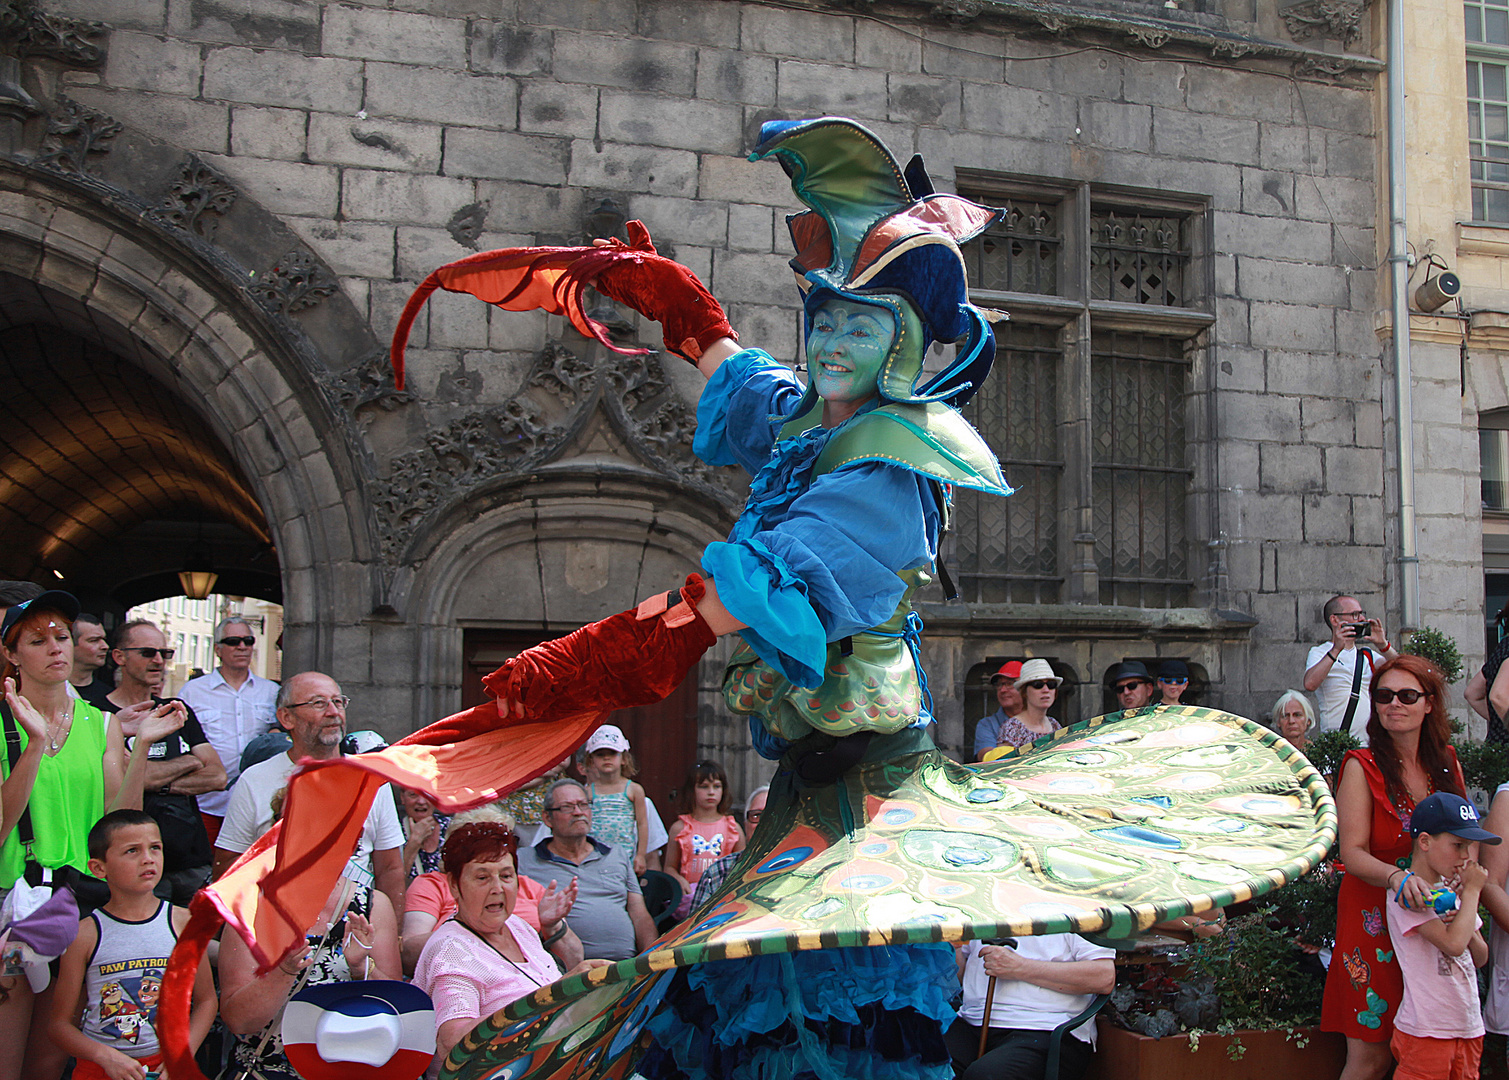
[(1133, 685), (1173, 680)]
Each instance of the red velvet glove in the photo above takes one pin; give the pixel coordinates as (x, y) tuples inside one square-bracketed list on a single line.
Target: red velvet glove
[(636, 657), (553, 279), (659, 289)]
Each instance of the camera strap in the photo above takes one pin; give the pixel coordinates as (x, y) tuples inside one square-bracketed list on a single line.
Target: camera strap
[(1362, 657)]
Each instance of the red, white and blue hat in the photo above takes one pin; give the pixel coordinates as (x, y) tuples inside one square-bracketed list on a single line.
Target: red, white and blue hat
[(366, 1030)]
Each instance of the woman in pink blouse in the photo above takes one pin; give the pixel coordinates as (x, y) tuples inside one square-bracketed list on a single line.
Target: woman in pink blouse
[(486, 956)]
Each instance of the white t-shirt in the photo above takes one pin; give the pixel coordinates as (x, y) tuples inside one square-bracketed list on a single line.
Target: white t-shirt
[(249, 815), (1336, 689), (1022, 1005)]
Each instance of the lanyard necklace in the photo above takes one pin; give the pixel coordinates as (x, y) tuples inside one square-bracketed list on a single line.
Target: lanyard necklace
[(499, 951)]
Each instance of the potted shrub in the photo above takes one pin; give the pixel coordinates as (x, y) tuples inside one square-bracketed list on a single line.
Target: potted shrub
[(1241, 1004)]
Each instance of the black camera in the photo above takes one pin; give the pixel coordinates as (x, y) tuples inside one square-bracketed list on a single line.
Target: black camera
[(1358, 630)]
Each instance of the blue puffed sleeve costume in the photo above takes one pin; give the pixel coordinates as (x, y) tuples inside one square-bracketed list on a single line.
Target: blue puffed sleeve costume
[(811, 560)]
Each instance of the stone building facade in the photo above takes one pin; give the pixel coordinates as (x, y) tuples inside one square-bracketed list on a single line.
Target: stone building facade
[(234, 201)]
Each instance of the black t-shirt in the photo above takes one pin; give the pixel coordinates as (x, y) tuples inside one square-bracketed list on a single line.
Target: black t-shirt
[(185, 844), (94, 692)]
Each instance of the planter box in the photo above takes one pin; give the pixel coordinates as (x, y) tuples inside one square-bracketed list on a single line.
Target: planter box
[(1126, 1055)]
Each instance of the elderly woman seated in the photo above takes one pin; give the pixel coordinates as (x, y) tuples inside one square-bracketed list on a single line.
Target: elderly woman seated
[(429, 902), (487, 956)]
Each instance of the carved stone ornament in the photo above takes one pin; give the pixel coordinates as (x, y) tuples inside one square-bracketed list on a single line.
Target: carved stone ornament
[(564, 401), (1335, 19), (26, 30), (297, 281), (369, 382), (197, 200), (76, 134), (1232, 49), (1150, 36), (1327, 67)]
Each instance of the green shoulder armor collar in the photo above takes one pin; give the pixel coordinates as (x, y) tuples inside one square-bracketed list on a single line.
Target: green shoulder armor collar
[(931, 439)]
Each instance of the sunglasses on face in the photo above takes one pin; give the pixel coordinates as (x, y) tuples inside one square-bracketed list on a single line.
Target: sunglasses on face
[(232, 642), (1126, 688), (1167, 679), (151, 654), (1383, 695), (1038, 684)]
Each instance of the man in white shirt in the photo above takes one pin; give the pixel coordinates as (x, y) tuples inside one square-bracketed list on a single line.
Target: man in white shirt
[(233, 706), (1331, 670), (1041, 982), (312, 709)]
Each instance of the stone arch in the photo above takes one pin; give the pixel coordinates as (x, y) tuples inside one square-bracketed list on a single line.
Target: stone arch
[(571, 550), (156, 297)]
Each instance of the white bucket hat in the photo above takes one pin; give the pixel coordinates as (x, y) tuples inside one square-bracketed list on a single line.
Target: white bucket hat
[(1036, 670)]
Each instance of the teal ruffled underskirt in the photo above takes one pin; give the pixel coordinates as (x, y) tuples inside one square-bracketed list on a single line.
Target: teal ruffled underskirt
[(823, 1014)]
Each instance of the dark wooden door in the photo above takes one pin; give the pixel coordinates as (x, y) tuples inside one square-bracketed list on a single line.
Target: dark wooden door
[(663, 735)]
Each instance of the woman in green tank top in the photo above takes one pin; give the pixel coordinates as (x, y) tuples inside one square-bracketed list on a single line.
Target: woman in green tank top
[(62, 767)]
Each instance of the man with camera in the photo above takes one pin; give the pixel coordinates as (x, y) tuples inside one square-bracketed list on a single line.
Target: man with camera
[(1338, 672)]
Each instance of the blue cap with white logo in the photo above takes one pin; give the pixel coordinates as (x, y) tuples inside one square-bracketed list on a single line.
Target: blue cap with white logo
[(1444, 812)]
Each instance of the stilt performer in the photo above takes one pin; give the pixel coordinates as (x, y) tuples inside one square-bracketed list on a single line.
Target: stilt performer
[(826, 951)]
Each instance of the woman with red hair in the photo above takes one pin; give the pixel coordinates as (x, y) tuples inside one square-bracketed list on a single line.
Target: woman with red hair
[(63, 769), (1409, 756), (486, 956)]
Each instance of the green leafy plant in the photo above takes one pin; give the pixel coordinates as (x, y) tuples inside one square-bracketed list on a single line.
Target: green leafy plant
[(1326, 750), (1484, 765), (1439, 648), (1256, 975), (1260, 976)]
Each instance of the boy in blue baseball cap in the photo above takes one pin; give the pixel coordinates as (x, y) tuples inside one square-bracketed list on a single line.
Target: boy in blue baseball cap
[(1438, 1031)]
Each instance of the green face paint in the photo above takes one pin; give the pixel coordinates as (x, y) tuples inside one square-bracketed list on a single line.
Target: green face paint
[(846, 346)]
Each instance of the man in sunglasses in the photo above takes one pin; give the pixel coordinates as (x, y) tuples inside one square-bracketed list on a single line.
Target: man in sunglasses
[(1132, 685), (179, 768), (234, 706), (1338, 671)]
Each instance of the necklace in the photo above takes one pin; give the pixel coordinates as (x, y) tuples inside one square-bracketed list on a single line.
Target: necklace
[(58, 729), (499, 951)]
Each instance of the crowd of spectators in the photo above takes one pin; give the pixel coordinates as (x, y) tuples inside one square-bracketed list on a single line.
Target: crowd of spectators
[(157, 794)]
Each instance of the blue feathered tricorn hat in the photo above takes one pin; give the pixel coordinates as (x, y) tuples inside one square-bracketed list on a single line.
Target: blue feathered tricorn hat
[(881, 235)]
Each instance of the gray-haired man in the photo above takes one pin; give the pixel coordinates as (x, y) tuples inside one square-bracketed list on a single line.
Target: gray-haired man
[(233, 706)]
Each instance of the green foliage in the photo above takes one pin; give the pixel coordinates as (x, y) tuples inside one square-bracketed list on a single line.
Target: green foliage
[(1259, 975), (1484, 765), (1254, 975), (1439, 648), (1326, 750), (1307, 907)]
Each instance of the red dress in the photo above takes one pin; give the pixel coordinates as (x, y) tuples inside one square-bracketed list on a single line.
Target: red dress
[(1363, 983)]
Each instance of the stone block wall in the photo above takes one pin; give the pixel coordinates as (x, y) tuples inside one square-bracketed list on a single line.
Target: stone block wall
[(394, 137)]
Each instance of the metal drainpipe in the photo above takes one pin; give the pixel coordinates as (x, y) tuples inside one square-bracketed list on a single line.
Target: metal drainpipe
[(1409, 562)]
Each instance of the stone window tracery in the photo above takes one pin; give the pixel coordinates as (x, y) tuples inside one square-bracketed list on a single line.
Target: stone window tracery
[(1087, 408)]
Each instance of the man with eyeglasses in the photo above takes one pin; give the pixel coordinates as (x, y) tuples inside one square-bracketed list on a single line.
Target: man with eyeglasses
[(312, 709), (179, 768), (609, 914), (234, 707), (1338, 671)]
